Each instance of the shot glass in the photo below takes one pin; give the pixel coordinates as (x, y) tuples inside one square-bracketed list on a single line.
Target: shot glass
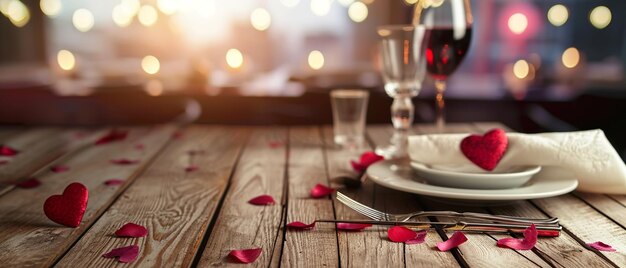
[(349, 109)]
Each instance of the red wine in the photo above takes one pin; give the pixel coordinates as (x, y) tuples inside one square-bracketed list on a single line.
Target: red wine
[(444, 53)]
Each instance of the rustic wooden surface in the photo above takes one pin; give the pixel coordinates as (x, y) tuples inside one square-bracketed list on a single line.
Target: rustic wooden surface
[(196, 218)]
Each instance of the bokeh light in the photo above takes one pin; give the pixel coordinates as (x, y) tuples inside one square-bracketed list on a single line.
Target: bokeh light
[(558, 15), (600, 17), (260, 19), (518, 23), (316, 60), (168, 7), (357, 12), (147, 15), (346, 3), (521, 69), (154, 88), (234, 58), (150, 64), (51, 8), (131, 6), (17, 13), (321, 7), (290, 3), (83, 20), (571, 57), (66, 60), (121, 17)]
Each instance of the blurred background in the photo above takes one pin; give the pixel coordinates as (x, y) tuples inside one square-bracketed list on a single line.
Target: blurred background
[(535, 65)]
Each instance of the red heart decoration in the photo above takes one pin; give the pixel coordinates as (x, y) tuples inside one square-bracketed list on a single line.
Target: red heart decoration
[(487, 150), (67, 209)]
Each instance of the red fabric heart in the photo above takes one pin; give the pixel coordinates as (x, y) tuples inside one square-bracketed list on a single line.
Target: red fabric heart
[(487, 150), (67, 209)]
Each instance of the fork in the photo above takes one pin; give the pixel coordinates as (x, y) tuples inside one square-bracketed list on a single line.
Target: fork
[(382, 216)]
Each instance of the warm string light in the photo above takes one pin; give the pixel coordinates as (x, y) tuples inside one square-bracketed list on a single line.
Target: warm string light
[(290, 3), (66, 60), (260, 19), (600, 17), (121, 16), (51, 8), (357, 12), (83, 20), (234, 58), (558, 15), (150, 64), (570, 57), (17, 12), (518, 23), (168, 7), (147, 15), (321, 7), (316, 60), (521, 69)]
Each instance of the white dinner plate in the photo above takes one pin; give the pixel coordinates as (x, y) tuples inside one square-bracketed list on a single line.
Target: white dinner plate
[(402, 178), (460, 176)]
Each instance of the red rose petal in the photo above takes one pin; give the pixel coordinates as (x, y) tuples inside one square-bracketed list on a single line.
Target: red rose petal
[(8, 151), (125, 254), (28, 184), (357, 166), (177, 135), (191, 168), (113, 135), (320, 191), (131, 230), (112, 182), (124, 161), (59, 169), (245, 255), (528, 242), (275, 144), (140, 146), (420, 238), (367, 159), (454, 241), (401, 234), (262, 200), (601, 246), (352, 226), (300, 225)]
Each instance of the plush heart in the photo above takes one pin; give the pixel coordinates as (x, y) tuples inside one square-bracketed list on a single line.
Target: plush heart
[(487, 150), (67, 209)]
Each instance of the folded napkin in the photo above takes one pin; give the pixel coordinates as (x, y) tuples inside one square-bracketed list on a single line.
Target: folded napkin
[(586, 155)]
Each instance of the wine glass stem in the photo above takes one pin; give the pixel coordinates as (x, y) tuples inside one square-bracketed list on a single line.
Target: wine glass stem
[(440, 85), (402, 111)]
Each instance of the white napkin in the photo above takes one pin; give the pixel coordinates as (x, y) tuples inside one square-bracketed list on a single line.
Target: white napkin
[(586, 155)]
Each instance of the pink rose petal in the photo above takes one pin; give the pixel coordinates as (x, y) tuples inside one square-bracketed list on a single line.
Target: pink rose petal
[(367, 159), (131, 230), (352, 226), (59, 169), (191, 168), (8, 151), (401, 234), (262, 200), (420, 238), (296, 225), (124, 161), (601, 246), (245, 255), (28, 184), (528, 242), (454, 241), (113, 182), (356, 166), (113, 135), (320, 191), (125, 254)]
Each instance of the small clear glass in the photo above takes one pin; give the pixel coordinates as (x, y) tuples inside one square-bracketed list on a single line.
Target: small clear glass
[(349, 110), (403, 71)]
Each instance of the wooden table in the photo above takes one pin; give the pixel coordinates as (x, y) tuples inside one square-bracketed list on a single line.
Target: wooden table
[(196, 218)]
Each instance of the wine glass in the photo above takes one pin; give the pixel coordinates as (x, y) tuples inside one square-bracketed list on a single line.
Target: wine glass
[(403, 69), (448, 26)]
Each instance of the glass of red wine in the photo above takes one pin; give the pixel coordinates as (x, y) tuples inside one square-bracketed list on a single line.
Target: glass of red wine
[(448, 25)]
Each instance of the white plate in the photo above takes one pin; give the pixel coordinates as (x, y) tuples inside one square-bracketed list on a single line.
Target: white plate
[(473, 178), (401, 177)]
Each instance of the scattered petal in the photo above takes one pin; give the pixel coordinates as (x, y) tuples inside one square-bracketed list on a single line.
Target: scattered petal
[(454, 241), (177, 135), (528, 242), (59, 169), (601, 246), (113, 182), (420, 238), (245, 255), (28, 184), (191, 168), (262, 200), (275, 144), (401, 234), (352, 226), (2, 162), (113, 135), (125, 254), (124, 161), (8, 151), (131, 230), (296, 225), (367, 159), (139, 146), (320, 191)]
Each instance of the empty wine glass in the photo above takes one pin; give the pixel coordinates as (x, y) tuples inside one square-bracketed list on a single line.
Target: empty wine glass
[(403, 69), (448, 26)]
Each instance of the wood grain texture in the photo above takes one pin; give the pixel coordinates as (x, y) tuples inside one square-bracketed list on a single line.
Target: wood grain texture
[(240, 225), (174, 205), (318, 247), (28, 238)]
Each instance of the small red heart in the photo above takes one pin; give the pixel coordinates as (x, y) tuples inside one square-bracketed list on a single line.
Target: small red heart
[(67, 209), (487, 150)]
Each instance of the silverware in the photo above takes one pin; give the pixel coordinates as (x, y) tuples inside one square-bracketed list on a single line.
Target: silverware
[(542, 230), (382, 216)]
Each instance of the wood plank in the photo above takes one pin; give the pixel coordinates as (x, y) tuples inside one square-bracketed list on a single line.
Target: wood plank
[(240, 225), (606, 205), (28, 238), (317, 248), (7, 132), (174, 205), (393, 201)]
